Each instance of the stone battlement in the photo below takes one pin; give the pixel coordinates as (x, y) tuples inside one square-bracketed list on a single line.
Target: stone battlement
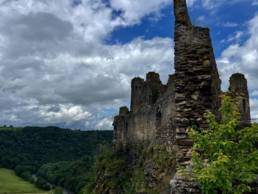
[(145, 93), (150, 111)]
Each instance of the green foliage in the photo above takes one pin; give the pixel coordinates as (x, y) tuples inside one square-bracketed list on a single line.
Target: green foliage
[(225, 157), (70, 175), (137, 180), (9, 128), (160, 155), (58, 190), (123, 173), (110, 171), (51, 155)]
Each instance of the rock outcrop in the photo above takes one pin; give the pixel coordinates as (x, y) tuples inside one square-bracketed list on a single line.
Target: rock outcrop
[(161, 113)]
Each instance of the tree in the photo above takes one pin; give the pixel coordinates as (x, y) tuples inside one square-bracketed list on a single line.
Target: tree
[(225, 157), (58, 190)]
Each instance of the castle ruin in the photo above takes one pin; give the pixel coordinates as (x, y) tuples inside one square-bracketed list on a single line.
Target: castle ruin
[(161, 113)]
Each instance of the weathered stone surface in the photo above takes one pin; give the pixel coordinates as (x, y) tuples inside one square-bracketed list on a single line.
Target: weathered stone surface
[(162, 113), (120, 129), (238, 90), (197, 79)]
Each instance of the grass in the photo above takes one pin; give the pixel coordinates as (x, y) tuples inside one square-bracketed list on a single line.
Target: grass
[(12, 184), (10, 128)]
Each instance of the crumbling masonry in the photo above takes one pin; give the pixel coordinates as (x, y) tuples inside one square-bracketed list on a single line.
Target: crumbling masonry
[(161, 114)]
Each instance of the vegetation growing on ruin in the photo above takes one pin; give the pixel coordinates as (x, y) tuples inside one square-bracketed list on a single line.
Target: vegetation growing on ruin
[(119, 173), (225, 157), (109, 172)]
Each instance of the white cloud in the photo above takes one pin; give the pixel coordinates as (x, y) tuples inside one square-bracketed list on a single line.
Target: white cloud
[(133, 10), (255, 2), (255, 93), (214, 4), (236, 36), (65, 113), (191, 2), (243, 58), (85, 80), (104, 124), (230, 24), (92, 20), (56, 68), (254, 105)]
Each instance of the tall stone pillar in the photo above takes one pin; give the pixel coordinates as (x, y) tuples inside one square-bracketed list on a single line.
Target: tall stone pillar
[(120, 125), (239, 92), (197, 89), (137, 94)]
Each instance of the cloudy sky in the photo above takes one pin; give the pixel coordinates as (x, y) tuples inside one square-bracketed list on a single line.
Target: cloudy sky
[(69, 62)]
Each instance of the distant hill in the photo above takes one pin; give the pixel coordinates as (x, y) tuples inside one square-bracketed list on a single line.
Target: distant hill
[(62, 151), (9, 128)]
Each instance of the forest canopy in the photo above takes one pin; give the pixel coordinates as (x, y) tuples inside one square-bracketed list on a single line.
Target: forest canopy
[(51, 155)]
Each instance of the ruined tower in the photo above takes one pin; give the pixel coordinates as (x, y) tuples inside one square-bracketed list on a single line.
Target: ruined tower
[(160, 114), (136, 99), (150, 115), (197, 85), (238, 90), (120, 136)]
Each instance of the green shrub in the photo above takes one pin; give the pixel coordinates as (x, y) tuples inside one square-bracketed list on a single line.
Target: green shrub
[(225, 156), (123, 173), (109, 170), (58, 190)]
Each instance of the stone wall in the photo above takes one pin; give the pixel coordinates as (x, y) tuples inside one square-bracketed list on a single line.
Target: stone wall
[(120, 129), (197, 86), (151, 115), (161, 113)]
